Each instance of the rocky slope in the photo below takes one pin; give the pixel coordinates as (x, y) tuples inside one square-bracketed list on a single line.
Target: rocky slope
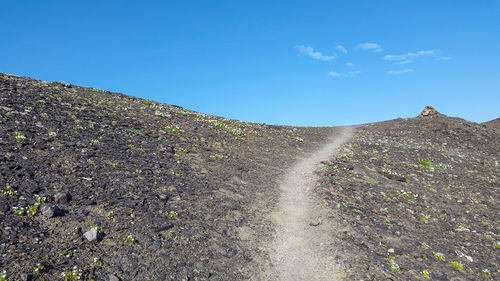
[(495, 123), (418, 198), (162, 192), (102, 186)]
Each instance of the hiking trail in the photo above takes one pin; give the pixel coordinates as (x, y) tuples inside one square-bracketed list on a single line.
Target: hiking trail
[(303, 247)]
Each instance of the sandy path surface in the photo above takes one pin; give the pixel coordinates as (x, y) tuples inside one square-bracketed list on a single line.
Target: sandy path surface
[(303, 248)]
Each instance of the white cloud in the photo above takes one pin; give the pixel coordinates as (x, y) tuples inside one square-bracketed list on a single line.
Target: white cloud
[(341, 49), (350, 64), (409, 56), (445, 58), (369, 46), (341, 74), (313, 54), (397, 72), (335, 74), (404, 62)]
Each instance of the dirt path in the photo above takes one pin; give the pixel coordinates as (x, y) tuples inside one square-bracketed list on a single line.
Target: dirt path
[(303, 247)]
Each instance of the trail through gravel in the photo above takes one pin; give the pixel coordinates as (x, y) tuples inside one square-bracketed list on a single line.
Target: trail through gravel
[(303, 248)]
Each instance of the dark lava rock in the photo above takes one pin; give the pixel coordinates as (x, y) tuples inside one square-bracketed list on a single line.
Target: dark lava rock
[(26, 277), (50, 211), (62, 197)]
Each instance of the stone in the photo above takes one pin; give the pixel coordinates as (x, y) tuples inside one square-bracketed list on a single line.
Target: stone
[(315, 222), (50, 211), (112, 277), (62, 197), (156, 246), (93, 235), (26, 277), (429, 111)]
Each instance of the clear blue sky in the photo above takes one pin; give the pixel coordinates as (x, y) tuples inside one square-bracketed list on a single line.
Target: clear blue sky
[(278, 62)]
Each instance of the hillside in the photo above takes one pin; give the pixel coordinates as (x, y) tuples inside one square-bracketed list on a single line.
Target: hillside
[(418, 198), (110, 187), (187, 187), (495, 123)]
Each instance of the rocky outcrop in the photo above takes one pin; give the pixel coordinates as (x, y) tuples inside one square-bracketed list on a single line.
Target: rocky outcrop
[(429, 111)]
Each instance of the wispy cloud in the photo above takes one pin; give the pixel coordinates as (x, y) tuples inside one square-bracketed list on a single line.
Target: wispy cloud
[(350, 64), (444, 58), (404, 62), (369, 46), (341, 49), (342, 74), (306, 50), (409, 56), (335, 74), (397, 72)]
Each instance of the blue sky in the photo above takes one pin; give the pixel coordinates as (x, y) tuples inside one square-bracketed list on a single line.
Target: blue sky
[(278, 62)]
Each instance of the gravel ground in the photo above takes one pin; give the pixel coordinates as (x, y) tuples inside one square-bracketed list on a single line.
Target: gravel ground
[(418, 198), (172, 194), (104, 186)]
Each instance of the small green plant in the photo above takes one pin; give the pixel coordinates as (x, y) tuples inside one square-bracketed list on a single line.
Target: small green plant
[(424, 273), (3, 276), (94, 142), (129, 240), (19, 210), (170, 236), (67, 253), (113, 164), (392, 264), (138, 171), (20, 137), (439, 256), (457, 265), (180, 150), (96, 227), (40, 199), (485, 271), (110, 214), (74, 274), (38, 269), (172, 215), (496, 245), (136, 132), (171, 130), (9, 191), (216, 156), (427, 163), (52, 134), (97, 261), (370, 180), (32, 210), (58, 83)]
